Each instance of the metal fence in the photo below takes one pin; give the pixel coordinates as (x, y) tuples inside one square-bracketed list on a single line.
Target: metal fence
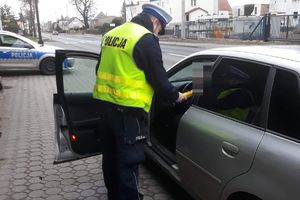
[(268, 27), (284, 27)]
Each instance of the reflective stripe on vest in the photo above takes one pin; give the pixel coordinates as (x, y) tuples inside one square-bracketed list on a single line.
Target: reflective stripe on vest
[(119, 80)]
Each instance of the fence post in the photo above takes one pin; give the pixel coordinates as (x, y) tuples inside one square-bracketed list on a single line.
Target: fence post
[(287, 27), (266, 27)]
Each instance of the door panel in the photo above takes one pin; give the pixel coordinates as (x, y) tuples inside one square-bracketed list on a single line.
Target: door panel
[(219, 135), (211, 150), (78, 117)]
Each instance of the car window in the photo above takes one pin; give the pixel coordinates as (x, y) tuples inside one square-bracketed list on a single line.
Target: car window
[(235, 89), (10, 41), (284, 111), (81, 79), (188, 71)]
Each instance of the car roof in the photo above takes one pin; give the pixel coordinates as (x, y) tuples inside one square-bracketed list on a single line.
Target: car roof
[(20, 37), (287, 56)]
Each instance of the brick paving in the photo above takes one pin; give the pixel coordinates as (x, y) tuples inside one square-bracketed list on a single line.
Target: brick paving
[(27, 150)]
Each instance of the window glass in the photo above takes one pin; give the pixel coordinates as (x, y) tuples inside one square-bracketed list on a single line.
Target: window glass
[(188, 72), (82, 78), (284, 113), (235, 89), (9, 41)]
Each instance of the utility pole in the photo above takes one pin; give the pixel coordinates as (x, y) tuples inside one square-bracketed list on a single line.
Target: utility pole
[(183, 19), (38, 22), (1, 28)]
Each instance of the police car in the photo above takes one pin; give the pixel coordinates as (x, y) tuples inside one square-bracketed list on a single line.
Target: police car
[(19, 53)]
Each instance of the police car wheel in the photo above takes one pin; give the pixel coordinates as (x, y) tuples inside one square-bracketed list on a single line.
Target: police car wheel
[(47, 66)]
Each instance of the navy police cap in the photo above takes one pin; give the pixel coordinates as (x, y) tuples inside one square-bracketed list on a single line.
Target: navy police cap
[(157, 12)]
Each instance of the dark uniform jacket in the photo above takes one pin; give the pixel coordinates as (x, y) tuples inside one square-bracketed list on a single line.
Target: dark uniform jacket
[(148, 57)]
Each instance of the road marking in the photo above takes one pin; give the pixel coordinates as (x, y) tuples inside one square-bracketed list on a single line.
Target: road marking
[(178, 55)]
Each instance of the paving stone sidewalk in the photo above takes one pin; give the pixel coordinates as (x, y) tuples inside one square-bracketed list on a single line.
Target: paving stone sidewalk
[(27, 150)]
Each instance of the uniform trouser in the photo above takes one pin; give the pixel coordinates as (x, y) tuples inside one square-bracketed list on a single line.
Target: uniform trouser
[(123, 151)]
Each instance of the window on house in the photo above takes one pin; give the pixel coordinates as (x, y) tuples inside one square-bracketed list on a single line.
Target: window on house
[(255, 10), (239, 12), (284, 112)]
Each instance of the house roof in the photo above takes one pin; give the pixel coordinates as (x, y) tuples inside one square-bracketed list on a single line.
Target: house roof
[(194, 9), (224, 5), (101, 15), (72, 19)]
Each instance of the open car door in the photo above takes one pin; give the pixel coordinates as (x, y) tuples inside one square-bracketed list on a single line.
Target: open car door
[(78, 117)]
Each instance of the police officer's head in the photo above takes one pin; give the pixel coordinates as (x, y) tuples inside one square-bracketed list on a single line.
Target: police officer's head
[(230, 77), (159, 18)]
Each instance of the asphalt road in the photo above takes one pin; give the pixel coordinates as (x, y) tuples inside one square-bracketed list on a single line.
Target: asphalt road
[(171, 53)]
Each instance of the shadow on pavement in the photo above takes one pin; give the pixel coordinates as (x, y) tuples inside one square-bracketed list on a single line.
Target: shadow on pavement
[(178, 193), (20, 73)]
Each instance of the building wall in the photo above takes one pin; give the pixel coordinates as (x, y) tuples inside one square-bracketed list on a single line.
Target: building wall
[(259, 10), (173, 7), (284, 6)]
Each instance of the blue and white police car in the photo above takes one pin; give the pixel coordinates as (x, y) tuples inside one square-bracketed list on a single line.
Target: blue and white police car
[(20, 53)]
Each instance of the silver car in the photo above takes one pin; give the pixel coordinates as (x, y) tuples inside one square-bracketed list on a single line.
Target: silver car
[(18, 52), (236, 138)]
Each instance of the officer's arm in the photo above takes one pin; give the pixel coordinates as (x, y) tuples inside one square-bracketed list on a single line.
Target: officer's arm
[(148, 57)]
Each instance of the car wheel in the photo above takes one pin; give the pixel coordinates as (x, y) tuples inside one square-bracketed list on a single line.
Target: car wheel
[(47, 66)]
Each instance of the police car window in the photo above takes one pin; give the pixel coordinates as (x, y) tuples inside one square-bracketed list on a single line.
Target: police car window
[(81, 79), (9, 41), (284, 113)]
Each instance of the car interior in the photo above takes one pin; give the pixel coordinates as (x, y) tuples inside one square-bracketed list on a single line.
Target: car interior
[(165, 117)]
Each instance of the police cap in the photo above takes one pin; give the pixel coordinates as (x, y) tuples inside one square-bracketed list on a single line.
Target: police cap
[(157, 12)]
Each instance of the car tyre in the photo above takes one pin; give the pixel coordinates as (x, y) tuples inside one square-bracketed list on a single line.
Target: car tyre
[(47, 66)]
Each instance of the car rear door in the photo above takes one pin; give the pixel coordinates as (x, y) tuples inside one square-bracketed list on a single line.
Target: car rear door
[(78, 117), (16, 53), (213, 148)]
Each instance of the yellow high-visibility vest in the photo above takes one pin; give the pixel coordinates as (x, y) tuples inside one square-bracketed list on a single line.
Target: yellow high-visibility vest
[(119, 80)]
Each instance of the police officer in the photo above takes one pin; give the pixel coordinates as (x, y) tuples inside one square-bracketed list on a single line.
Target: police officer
[(129, 72)]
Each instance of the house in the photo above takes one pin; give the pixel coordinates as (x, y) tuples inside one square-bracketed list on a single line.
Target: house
[(194, 9), (259, 10), (74, 24), (195, 13), (101, 19), (288, 7)]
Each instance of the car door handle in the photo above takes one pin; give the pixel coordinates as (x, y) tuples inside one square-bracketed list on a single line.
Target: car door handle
[(229, 149)]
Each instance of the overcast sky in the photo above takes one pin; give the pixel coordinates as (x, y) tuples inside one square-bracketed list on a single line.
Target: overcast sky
[(53, 9)]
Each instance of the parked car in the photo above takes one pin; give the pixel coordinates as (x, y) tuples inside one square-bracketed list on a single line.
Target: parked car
[(54, 33), (214, 155), (18, 52)]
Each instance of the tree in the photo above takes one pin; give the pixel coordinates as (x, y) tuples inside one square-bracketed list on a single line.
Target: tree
[(123, 11), (29, 9), (248, 9), (38, 21), (9, 22), (118, 21), (105, 28), (84, 7)]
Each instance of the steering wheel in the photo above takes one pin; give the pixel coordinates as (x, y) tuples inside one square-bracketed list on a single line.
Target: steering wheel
[(188, 87)]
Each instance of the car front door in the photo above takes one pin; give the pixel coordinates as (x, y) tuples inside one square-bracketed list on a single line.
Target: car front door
[(16, 53), (78, 117), (213, 146)]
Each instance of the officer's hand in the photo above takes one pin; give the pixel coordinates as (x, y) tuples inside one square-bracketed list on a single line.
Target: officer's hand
[(181, 98)]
